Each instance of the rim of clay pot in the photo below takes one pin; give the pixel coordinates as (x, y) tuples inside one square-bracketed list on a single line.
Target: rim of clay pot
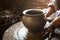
[(26, 12)]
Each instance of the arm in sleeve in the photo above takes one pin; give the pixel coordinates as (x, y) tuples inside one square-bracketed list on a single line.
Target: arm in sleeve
[(52, 3)]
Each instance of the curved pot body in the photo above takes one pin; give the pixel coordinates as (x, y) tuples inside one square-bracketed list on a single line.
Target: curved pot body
[(34, 20)]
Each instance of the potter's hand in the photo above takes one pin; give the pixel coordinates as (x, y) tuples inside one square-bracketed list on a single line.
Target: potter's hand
[(49, 28), (47, 33), (49, 19)]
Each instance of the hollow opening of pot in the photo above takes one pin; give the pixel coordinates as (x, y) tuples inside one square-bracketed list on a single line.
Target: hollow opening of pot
[(34, 12)]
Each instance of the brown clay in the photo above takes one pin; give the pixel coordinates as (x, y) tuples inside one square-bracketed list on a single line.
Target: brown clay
[(34, 20)]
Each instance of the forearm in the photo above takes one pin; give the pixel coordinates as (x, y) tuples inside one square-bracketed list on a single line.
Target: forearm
[(56, 22), (51, 10)]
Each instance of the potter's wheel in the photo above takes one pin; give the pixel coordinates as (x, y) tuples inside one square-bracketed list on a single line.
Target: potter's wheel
[(17, 31)]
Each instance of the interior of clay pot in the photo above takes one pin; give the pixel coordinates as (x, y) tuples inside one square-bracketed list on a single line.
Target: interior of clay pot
[(33, 12)]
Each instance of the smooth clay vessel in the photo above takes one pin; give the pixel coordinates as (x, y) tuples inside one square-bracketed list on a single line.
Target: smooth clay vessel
[(34, 20)]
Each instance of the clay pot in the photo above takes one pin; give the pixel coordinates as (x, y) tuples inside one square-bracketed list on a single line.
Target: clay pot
[(34, 20)]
